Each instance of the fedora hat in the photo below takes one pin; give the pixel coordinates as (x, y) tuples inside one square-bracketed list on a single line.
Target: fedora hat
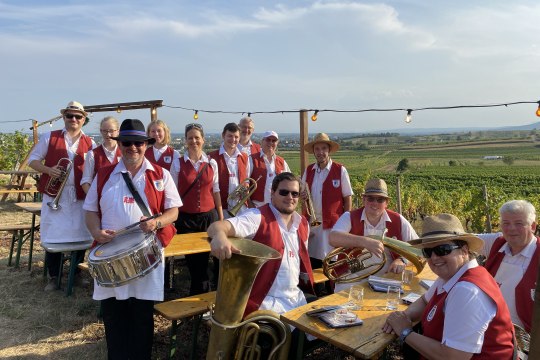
[(133, 130), (376, 187), (321, 138), (74, 106), (443, 228)]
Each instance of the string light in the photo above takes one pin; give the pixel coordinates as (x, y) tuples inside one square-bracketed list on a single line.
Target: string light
[(538, 110), (408, 117), (249, 115), (153, 111), (314, 116), (196, 115), (118, 110)]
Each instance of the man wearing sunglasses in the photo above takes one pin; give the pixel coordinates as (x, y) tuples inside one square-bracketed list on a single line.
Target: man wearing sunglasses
[(111, 204), (66, 223), (373, 218), (278, 225)]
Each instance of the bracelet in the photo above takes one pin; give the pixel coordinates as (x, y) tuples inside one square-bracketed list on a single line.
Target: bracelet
[(406, 332)]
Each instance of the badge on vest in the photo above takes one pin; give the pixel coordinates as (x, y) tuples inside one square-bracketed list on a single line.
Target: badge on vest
[(159, 185), (167, 159), (336, 183), (532, 294), (432, 313)]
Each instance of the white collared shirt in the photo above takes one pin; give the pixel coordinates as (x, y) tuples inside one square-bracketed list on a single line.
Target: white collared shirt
[(175, 169), (89, 163), (270, 174), (232, 169)]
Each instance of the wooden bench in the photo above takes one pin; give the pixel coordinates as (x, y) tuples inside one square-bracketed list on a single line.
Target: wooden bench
[(19, 234), (5, 192), (192, 306), (318, 276)]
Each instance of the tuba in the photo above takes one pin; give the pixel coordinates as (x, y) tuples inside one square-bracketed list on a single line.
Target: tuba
[(352, 260), (308, 206), (55, 186), (230, 337), (241, 194)]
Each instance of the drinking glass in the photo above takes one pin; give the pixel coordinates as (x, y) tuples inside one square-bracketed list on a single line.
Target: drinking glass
[(356, 297), (393, 295), (407, 276)]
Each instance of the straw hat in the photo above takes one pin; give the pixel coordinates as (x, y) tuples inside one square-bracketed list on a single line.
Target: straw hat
[(376, 187), (321, 138), (133, 130), (443, 228), (74, 106)]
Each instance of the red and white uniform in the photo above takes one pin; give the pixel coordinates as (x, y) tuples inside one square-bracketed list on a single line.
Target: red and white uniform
[(267, 169), (250, 148), (97, 159), (66, 224), (334, 182), (164, 157)]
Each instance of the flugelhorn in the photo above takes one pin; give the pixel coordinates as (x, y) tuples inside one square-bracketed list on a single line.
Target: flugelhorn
[(55, 186), (241, 194), (308, 206), (355, 260)]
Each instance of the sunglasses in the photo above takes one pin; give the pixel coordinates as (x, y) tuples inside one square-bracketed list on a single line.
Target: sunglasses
[(283, 192), (71, 116), (441, 250), (193, 125), (129, 143), (380, 200)]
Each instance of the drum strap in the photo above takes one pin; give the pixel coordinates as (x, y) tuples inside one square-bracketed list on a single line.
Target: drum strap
[(135, 194)]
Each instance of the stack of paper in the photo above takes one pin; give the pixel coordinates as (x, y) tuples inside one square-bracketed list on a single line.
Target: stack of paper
[(378, 283), (426, 283)]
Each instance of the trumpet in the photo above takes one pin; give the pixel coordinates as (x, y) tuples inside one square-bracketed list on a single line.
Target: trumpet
[(308, 206), (55, 186), (241, 194)]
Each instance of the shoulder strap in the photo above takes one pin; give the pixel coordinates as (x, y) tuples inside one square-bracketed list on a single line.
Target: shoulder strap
[(135, 194)]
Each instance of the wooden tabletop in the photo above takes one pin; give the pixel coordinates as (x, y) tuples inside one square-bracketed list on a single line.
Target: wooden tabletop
[(33, 207), (185, 244), (366, 341)]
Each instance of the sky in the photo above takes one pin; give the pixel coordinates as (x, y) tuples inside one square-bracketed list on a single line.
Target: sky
[(263, 56)]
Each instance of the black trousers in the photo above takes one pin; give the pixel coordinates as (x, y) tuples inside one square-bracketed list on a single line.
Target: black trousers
[(53, 261), (129, 328), (197, 263)]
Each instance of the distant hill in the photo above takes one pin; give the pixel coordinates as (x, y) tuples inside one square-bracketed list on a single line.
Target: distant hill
[(430, 131)]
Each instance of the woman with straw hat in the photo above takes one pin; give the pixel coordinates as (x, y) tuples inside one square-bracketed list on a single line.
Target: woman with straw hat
[(463, 315)]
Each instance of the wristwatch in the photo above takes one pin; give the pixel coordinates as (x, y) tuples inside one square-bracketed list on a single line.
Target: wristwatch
[(158, 225), (406, 332)]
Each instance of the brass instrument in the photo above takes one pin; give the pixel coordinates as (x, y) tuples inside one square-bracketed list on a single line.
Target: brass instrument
[(241, 194), (231, 338), (353, 260), (55, 186), (308, 206)]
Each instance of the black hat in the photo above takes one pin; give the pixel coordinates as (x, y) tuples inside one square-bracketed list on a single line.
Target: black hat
[(133, 130)]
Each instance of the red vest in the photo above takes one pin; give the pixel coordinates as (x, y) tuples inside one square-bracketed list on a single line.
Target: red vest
[(500, 332), (332, 201), (56, 151), (149, 154), (270, 235), (155, 198), (101, 160), (255, 148), (526, 288), (259, 169), (223, 172), (200, 198)]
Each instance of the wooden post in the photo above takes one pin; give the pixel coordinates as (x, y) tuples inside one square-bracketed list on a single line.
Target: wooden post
[(153, 113), (303, 140), (534, 345), (398, 193), (488, 216)]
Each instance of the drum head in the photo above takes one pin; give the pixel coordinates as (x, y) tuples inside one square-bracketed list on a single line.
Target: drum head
[(119, 245)]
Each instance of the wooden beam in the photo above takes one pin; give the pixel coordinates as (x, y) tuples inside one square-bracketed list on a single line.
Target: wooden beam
[(303, 140), (149, 104)]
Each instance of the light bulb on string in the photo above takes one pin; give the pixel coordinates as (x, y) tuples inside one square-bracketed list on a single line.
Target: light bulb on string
[(153, 111), (408, 117), (50, 123), (196, 115), (118, 110), (314, 116), (538, 110)]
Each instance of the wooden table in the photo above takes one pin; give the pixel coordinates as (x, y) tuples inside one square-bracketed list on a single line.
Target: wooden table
[(366, 341), (35, 209), (186, 244)]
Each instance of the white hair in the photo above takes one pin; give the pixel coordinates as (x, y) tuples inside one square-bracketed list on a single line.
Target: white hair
[(519, 207)]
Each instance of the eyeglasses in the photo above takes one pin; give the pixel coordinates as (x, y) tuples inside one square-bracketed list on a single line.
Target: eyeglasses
[(129, 143), (112, 131), (441, 250), (284, 192), (71, 116), (193, 125), (380, 200)]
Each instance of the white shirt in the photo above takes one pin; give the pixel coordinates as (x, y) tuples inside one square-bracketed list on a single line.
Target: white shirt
[(246, 149), (232, 169), (118, 210), (344, 225), (175, 169), (469, 311), (319, 245), (89, 163), (67, 223), (270, 174), (159, 152), (284, 294)]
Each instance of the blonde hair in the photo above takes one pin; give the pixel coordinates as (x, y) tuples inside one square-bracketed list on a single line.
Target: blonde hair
[(165, 128), (111, 119)]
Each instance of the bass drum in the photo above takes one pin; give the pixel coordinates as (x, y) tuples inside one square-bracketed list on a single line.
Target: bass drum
[(127, 257)]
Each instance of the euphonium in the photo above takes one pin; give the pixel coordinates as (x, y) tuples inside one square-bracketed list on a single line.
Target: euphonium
[(352, 260), (230, 337), (241, 194), (55, 186), (308, 207)]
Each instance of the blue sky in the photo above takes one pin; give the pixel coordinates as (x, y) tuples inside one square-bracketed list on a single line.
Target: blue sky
[(266, 56)]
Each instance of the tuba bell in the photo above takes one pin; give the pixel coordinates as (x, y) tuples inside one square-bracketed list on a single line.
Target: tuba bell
[(241, 194), (55, 186), (230, 337), (353, 260)]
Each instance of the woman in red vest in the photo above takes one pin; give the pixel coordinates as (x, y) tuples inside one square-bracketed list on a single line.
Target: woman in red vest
[(463, 314), (106, 154), (197, 179), (160, 153)]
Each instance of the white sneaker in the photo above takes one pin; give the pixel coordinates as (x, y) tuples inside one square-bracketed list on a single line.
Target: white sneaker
[(51, 285)]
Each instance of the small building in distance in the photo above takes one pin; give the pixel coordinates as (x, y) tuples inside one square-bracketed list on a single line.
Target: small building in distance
[(493, 157)]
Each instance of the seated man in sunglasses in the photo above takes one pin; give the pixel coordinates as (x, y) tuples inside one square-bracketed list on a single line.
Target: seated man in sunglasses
[(373, 218), (279, 226), (463, 314)]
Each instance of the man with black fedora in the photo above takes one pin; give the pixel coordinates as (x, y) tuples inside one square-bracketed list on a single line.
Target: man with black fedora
[(373, 218), (111, 205), (330, 178)]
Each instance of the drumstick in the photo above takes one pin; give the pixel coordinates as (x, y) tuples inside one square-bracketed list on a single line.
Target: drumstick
[(132, 226)]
